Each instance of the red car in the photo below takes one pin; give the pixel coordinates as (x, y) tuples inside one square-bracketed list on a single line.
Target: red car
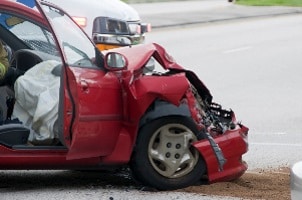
[(70, 106)]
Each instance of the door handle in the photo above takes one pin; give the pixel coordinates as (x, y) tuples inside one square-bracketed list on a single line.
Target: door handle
[(84, 86)]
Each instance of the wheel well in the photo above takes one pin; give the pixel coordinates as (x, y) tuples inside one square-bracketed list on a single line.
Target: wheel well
[(161, 108)]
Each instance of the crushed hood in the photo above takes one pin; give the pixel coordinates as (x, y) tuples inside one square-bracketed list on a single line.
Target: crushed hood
[(139, 55)]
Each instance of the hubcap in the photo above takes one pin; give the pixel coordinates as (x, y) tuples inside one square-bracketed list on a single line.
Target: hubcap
[(170, 151)]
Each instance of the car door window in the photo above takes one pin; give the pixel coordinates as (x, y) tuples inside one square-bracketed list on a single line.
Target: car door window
[(79, 51)]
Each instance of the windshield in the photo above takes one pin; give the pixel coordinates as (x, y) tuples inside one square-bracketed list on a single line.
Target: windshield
[(35, 36), (77, 48)]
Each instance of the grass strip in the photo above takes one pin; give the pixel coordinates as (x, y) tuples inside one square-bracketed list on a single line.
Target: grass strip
[(270, 2)]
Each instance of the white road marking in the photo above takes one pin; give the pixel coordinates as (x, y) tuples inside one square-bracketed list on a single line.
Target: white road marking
[(276, 144), (269, 133), (237, 49)]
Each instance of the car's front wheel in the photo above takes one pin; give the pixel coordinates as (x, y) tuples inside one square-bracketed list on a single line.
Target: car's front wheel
[(164, 158)]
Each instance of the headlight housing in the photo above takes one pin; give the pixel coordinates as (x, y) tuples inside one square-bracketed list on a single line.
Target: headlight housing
[(106, 25), (109, 33)]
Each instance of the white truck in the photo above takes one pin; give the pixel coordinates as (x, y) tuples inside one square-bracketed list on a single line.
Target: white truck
[(110, 23)]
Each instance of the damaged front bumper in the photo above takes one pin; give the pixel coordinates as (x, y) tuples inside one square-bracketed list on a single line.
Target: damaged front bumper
[(232, 144), (225, 140)]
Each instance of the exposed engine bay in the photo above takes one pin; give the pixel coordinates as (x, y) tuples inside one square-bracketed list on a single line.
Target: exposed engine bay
[(215, 118)]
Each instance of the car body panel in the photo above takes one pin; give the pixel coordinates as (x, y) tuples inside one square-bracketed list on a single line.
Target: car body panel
[(98, 112)]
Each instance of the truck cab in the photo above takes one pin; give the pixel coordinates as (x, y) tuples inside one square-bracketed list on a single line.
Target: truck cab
[(110, 23)]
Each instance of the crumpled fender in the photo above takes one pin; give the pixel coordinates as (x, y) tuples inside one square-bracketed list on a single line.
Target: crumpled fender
[(146, 89)]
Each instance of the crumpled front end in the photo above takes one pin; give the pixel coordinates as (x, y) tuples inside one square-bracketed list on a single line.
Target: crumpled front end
[(223, 140), (224, 158), (226, 140)]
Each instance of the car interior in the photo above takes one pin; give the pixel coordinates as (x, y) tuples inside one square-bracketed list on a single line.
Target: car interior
[(24, 52)]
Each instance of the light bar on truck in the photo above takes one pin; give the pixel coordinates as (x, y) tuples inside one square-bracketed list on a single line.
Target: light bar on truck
[(81, 21)]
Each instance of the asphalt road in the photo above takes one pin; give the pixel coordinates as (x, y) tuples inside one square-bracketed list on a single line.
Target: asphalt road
[(252, 66), (169, 14)]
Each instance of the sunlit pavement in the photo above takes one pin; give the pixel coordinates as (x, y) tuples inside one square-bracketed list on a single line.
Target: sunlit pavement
[(175, 13)]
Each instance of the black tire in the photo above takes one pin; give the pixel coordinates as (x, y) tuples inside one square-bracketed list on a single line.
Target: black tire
[(164, 158)]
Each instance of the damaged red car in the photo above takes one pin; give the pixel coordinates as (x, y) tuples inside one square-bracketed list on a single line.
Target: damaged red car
[(66, 105)]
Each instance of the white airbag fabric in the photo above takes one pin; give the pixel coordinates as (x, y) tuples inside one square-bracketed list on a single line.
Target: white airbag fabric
[(37, 98)]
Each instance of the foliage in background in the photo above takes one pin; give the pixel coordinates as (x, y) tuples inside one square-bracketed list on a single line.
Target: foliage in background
[(270, 2), (148, 1)]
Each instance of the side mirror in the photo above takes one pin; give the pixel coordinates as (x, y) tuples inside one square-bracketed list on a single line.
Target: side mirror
[(115, 61)]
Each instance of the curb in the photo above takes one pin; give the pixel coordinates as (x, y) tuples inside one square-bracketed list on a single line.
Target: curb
[(225, 19)]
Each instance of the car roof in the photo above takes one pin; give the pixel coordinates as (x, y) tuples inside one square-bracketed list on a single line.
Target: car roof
[(16, 7)]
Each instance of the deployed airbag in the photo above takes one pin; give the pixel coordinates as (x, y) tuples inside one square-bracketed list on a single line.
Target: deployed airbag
[(37, 98)]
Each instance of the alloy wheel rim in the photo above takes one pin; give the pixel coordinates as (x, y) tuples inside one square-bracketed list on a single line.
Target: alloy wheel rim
[(170, 151)]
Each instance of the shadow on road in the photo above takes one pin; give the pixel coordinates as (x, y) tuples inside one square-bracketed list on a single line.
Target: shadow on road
[(64, 179)]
